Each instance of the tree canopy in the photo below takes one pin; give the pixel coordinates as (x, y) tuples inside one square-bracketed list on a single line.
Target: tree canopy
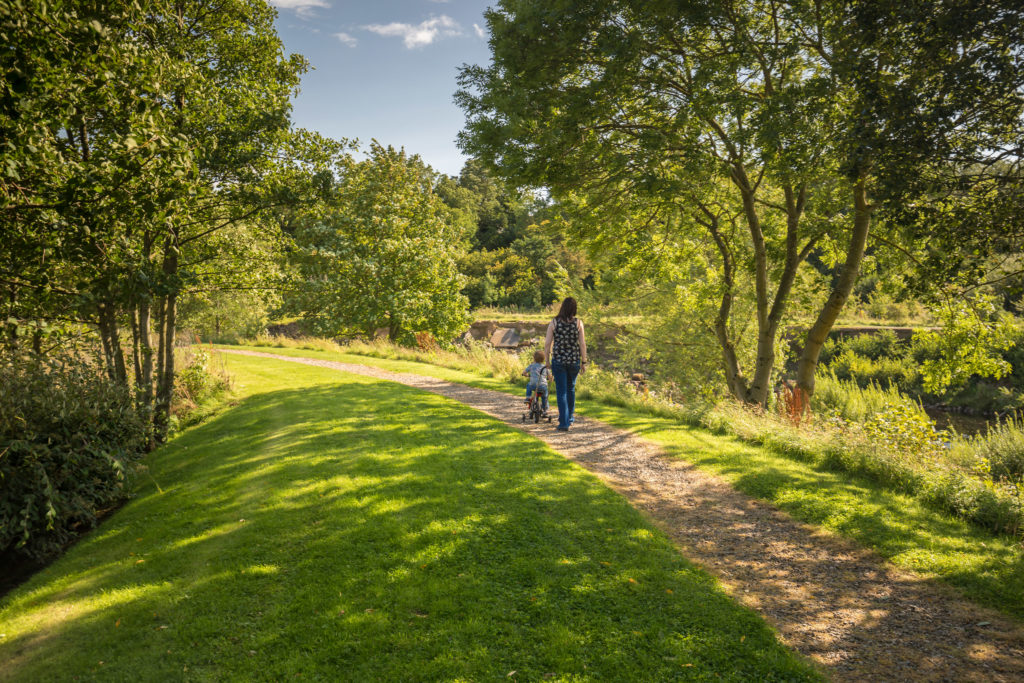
[(383, 254), (134, 136), (670, 121)]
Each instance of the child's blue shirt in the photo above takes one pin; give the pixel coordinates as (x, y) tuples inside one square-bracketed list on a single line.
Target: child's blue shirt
[(537, 375)]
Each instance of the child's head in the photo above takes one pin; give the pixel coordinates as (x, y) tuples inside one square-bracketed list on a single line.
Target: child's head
[(538, 356)]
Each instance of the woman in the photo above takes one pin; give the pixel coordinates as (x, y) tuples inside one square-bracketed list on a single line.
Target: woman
[(566, 347)]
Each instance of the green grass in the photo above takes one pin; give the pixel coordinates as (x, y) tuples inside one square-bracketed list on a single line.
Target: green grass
[(985, 567), (335, 527)]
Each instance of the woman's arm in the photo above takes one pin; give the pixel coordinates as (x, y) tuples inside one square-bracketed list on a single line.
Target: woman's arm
[(583, 344), (549, 340)]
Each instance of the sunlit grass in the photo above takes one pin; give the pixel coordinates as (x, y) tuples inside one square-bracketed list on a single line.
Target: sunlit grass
[(985, 567), (341, 528)]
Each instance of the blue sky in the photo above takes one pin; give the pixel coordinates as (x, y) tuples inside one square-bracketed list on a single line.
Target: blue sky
[(385, 69)]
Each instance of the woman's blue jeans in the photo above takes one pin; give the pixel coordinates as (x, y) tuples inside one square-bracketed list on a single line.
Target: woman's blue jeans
[(565, 391)]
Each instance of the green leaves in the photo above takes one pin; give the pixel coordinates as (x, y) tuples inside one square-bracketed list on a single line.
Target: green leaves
[(972, 336), (383, 254)]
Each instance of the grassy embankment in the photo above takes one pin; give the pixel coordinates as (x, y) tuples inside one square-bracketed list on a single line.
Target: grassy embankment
[(987, 568), (342, 528)]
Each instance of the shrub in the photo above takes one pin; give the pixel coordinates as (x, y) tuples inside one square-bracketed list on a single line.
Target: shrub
[(844, 398), (829, 349), (1002, 449), (197, 382), (881, 344), (907, 434), (987, 398), (866, 371), (69, 441)]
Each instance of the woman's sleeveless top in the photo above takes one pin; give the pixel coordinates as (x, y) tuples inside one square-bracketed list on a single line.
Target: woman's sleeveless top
[(566, 347)]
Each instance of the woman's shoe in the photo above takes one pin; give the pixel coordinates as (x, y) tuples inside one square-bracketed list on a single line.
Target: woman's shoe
[(561, 429)]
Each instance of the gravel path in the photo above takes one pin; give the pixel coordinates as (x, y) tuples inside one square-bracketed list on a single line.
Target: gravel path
[(839, 604)]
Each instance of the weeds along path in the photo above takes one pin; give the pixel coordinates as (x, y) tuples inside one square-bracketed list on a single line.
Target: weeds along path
[(837, 603)]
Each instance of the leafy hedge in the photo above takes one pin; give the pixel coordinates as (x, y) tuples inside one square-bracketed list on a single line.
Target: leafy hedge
[(69, 441)]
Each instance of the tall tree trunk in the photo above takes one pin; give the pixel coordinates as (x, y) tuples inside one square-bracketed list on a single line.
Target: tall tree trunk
[(136, 348), (818, 333), (145, 334), (11, 338), (108, 351), (161, 307), (769, 314), (733, 374), (768, 334), (165, 360), (116, 351), (146, 354), (765, 361)]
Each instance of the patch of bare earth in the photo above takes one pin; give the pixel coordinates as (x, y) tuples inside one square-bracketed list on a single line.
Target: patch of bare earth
[(841, 605)]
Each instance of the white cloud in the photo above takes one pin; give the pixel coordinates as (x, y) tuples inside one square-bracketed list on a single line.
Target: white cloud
[(304, 8), (424, 33), (346, 39), (480, 33)]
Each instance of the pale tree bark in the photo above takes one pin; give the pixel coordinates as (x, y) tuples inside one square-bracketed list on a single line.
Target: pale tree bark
[(733, 373), (136, 344), (769, 313), (165, 352), (120, 369), (816, 336), (105, 335), (145, 353)]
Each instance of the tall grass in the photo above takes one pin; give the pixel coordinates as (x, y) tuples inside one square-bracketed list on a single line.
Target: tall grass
[(1001, 450), (845, 398)]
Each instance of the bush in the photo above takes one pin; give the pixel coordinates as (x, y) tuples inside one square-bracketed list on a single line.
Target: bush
[(866, 371), (987, 398), (845, 399), (196, 383), (69, 442), (881, 344), (1002, 449)]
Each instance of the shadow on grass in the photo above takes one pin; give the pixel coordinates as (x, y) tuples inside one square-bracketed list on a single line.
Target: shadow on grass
[(365, 531)]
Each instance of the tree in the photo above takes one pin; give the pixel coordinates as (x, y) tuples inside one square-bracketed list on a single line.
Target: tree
[(383, 255), (137, 135), (653, 118)]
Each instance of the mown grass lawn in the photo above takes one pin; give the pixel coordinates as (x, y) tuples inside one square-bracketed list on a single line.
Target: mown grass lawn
[(332, 527), (985, 567)]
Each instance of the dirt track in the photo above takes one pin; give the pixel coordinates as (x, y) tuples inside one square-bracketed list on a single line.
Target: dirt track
[(839, 604)]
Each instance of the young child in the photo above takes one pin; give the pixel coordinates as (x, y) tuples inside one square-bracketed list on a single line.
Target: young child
[(539, 375)]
